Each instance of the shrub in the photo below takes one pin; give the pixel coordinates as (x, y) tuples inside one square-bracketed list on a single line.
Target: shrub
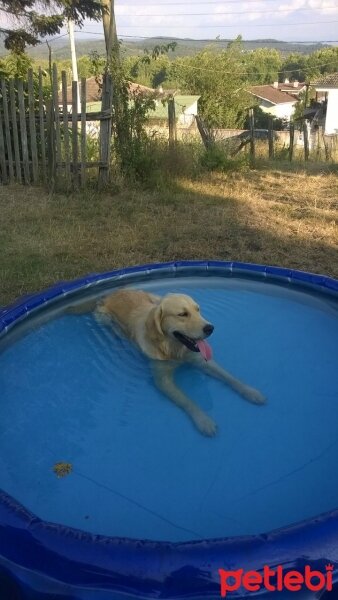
[(216, 159)]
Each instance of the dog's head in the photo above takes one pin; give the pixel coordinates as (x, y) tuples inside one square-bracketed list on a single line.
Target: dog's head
[(178, 316)]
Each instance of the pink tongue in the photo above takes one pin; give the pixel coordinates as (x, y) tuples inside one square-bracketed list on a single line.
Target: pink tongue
[(204, 349)]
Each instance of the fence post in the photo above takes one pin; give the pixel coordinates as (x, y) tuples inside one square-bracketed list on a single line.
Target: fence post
[(32, 128), (83, 132), (270, 137), (56, 118), (306, 141), (51, 166), (3, 170), (75, 145), (205, 133), (65, 124), (42, 128), (172, 122), (15, 130), (105, 130), (326, 148), (252, 136), (7, 131), (23, 131), (292, 137)]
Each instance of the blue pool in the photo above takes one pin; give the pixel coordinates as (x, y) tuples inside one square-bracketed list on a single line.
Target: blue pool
[(73, 392)]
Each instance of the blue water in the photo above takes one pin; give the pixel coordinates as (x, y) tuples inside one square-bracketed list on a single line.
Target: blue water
[(70, 391)]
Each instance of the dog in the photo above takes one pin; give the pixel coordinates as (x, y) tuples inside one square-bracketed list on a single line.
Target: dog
[(169, 330)]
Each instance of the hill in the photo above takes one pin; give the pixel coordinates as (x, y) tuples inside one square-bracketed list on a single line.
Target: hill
[(185, 46)]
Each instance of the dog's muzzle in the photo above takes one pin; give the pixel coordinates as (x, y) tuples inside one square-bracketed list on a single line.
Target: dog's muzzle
[(186, 341), (189, 342)]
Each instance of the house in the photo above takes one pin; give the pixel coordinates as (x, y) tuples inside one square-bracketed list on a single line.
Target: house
[(93, 94), (186, 108), (294, 88), (328, 88), (275, 101)]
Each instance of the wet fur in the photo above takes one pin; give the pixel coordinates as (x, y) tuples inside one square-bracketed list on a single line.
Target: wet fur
[(149, 321)]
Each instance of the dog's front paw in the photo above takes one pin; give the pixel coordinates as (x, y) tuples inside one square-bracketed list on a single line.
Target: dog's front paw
[(205, 425), (253, 395)]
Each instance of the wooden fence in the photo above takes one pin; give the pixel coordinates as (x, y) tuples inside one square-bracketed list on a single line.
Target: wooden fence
[(43, 131), (298, 142)]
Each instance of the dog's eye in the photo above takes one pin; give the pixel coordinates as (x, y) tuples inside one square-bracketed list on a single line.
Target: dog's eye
[(183, 314)]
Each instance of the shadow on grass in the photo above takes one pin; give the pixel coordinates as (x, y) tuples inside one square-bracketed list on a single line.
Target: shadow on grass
[(235, 230), (251, 217)]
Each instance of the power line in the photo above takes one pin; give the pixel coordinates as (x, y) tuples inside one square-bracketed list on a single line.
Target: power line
[(215, 41), (257, 73), (58, 37), (241, 12), (220, 26), (229, 72), (248, 73), (212, 41)]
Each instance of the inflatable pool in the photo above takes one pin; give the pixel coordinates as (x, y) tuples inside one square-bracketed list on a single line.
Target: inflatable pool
[(108, 489)]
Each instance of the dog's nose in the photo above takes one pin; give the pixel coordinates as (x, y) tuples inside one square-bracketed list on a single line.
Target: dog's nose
[(208, 329)]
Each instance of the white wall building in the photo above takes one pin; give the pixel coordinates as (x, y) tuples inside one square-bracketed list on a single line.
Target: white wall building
[(272, 100), (329, 85)]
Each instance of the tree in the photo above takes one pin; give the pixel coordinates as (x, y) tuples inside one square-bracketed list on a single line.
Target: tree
[(15, 65), (264, 65), (35, 20), (151, 69), (85, 67), (219, 80), (322, 62), (109, 28), (294, 67)]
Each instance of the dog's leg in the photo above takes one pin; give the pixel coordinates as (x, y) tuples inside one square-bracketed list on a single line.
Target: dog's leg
[(214, 370), (164, 379)]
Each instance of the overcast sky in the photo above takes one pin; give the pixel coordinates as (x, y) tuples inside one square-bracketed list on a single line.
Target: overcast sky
[(252, 19)]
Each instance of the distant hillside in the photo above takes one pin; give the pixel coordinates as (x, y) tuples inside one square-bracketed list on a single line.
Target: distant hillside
[(188, 46), (185, 47)]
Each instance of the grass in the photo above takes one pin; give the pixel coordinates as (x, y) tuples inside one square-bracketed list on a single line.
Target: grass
[(279, 217)]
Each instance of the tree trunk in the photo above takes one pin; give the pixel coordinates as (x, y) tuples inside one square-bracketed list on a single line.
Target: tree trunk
[(109, 28)]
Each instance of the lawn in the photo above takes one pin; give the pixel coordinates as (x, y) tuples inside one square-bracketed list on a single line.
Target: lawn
[(278, 217)]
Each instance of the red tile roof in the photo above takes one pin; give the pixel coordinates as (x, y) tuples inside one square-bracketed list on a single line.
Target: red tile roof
[(329, 81), (137, 88), (291, 88), (93, 90), (271, 94)]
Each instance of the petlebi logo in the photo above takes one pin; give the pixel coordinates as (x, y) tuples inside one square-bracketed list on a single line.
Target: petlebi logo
[(275, 580)]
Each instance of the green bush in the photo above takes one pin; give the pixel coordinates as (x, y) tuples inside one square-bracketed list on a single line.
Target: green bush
[(216, 159)]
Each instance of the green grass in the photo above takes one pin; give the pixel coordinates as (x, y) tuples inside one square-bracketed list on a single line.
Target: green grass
[(286, 218)]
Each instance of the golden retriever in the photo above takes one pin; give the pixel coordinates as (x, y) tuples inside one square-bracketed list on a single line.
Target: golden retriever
[(169, 331)]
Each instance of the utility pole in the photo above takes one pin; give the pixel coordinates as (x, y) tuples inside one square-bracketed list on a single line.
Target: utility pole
[(109, 28), (72, 49), (112, 52), (75, 76)]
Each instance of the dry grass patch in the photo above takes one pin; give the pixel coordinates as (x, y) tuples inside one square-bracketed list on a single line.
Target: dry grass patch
[(286, 219)]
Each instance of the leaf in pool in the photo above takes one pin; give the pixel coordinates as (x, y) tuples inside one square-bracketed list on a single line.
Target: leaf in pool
[(61, 469)]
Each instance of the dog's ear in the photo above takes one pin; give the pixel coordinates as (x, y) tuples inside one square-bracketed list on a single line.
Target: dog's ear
[(158, 319)]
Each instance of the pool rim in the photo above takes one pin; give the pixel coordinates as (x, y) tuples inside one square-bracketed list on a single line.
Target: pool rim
[(286, 544)]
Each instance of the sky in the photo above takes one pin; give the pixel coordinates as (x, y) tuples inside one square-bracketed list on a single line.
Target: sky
[(293, 20), (211, 18)]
